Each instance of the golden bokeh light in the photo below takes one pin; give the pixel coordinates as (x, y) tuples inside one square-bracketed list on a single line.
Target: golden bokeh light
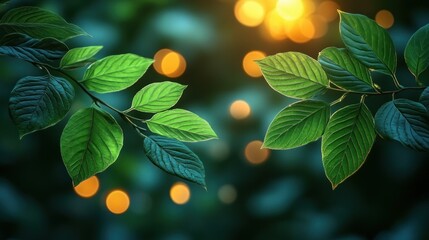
[(249, 65), (250, 13), (240, 109), (329, 10), (117, 201), (320, 26), (87, 188), (274, 26), (254, 154), (290, 10), (227, 194), (385, 19), (180, 193), (169, 63)]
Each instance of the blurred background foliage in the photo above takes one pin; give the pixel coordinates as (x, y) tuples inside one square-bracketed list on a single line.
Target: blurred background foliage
[(210, 45)]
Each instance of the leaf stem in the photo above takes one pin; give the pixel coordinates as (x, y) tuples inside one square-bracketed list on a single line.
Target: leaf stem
[(123, 114), (401, 89)]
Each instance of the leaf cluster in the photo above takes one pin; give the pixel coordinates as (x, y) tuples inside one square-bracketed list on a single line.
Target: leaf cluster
[(92, 139), (349, 133)]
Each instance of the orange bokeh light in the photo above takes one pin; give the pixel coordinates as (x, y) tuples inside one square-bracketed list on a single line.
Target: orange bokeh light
[(249, 65), (250, 13), (87, 188), (169, 63), (180, 193), (240, 109), (254, 154), (117, 201), (385, 18)]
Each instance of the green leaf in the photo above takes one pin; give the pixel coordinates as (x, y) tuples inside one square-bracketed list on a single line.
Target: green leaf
[(405, 121), (368, 42), (347, 141), (44, 51), (77, 56), (298, 124), (175, 158), (294, 74), (345, 71), (115, 73), (182, 125), (417, 51), (38, 23), (91, 142), (39, 102), (424, 98), (157, 97)]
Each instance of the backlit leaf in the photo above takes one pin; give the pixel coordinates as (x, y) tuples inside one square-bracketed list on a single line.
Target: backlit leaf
[(91, 142), (298, 124), (38, 23), (417, 51), (44, 51), (294, 74), (175, 158), (368, 42), (39, 102), (345, 71), (77, 56), (157, 97), (115, 73), (405, 121), (347, 141), (182, 125)]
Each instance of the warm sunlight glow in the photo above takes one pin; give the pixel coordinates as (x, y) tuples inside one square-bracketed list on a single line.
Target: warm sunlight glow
[(320, 26), (328, 9), (249, 65), (169, 63), (290, 9), (180, 193), (239, 109), (227, 194), (385, 18), (249, 12), (117, 201), (254, 154), (87, 188), (275, 26)]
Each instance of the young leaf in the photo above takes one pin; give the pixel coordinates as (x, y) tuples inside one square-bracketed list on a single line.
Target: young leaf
[(90, 142), (347, 141), (298, 124), (424, 98), (157, 97), (37, 103), (44, 51), (405, 121), (78, 56), (38, 23), (368, 42), (115, 73), (294, 74), (175, 158), (345, 71), (417, 51), (182, 125)]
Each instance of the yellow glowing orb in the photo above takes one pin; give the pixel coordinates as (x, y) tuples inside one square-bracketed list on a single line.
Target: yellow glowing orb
[(249, 65), (117, 201), (385, 18), (290, 9), (250, 13), (239, 109), (180, 193), (169, 63), (87, 188), (254, 154)]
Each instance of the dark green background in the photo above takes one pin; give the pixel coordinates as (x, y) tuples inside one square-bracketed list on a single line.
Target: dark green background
[(287, 197)]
